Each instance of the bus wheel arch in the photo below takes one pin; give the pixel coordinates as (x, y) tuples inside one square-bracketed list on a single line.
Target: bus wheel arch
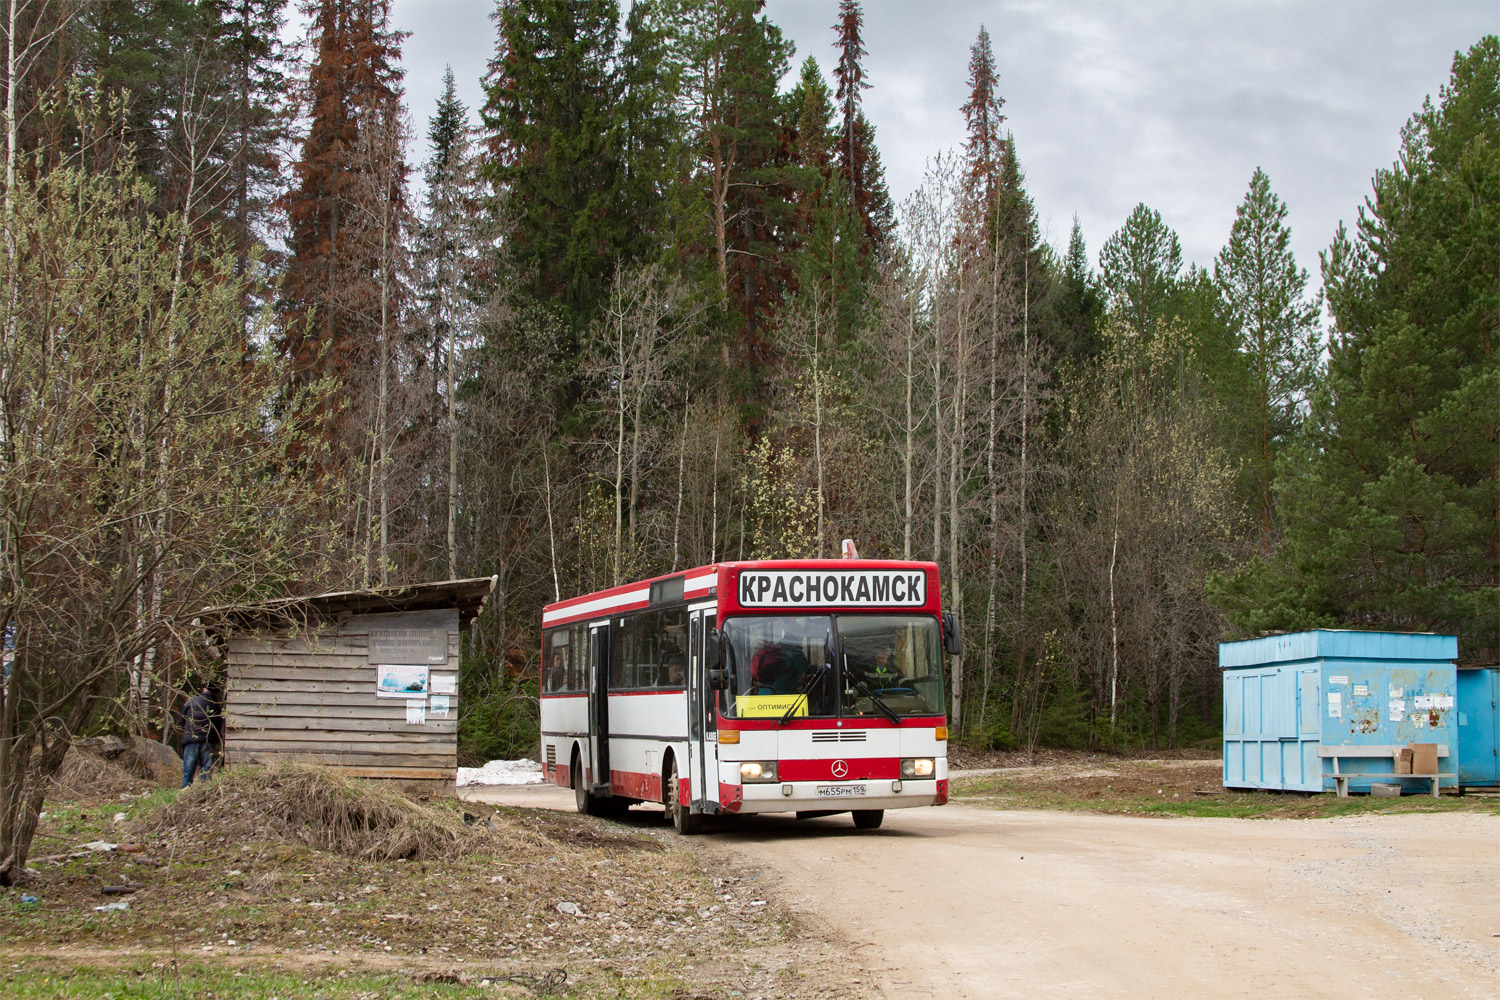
[(668, 767)]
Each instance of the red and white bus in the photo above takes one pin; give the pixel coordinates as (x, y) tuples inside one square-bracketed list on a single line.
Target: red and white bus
[(807, 686)]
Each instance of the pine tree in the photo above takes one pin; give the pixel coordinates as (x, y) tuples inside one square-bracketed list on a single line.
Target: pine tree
[(1392, 506), (983, 115), (1275, 326), (1140, 264)]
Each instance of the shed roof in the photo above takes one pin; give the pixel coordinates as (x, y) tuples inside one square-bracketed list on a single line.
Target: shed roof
[(468, 596)]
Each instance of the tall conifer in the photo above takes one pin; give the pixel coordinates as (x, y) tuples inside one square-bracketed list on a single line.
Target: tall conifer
[(552, 97), (353, 88), (858, 159), (983, 114)]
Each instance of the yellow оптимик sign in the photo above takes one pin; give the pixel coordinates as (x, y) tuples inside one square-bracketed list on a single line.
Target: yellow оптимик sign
[(773, 706)]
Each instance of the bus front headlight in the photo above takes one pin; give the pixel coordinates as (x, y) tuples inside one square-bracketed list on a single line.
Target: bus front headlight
[(758, 770), (916, 767)]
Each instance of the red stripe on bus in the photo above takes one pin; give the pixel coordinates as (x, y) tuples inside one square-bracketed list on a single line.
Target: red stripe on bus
[(869, 722), (630, 785)]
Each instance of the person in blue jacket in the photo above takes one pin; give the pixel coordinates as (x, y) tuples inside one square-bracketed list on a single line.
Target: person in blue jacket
[(197, 737)]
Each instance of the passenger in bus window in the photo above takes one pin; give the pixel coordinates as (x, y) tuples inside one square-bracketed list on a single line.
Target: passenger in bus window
[(673, 661)]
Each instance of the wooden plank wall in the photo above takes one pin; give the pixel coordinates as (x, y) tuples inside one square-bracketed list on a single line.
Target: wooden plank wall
[(312, 696)]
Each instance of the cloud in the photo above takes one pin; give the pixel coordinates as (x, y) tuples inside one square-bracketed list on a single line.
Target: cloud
[(1170, 103)]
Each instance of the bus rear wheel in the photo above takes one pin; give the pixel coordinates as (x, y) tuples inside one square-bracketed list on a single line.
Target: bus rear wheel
[(684, 819), (868, 819)]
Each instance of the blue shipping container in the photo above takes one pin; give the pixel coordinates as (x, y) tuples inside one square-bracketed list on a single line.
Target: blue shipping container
[(1479, 727), (1291, 700)]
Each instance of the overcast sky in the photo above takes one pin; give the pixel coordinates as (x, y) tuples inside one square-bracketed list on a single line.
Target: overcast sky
[(1169, 103)]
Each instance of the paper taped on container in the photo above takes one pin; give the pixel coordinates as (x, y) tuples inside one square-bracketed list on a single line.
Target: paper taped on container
[(1335, 705), (1398, 709), (1361, 690), (1339, 679)]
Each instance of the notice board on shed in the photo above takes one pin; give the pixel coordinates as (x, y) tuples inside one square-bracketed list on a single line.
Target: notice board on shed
[(375, 694)]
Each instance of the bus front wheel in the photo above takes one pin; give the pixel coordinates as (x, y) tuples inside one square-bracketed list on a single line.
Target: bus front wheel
[(684, 819), (583, 801), (868, 819)]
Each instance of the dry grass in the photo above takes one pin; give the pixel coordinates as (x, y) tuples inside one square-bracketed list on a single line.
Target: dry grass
[(319, 808), (87, 776)]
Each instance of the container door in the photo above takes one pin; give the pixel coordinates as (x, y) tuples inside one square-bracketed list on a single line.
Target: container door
[(599, 645), (703, 757), (1478, 749)]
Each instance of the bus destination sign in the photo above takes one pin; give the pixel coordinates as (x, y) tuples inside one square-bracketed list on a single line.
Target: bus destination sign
[(822, 588)]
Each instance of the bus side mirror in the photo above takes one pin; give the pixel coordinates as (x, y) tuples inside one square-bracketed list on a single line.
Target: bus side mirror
[(953, 640), (718, 680), (713, 655)]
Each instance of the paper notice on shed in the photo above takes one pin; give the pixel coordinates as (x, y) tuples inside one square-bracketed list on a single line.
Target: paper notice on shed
[(416, 713), (439, 705), (445, 684), (1335, 705)]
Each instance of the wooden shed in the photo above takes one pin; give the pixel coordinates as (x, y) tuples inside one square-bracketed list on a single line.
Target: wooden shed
[(366, 681)]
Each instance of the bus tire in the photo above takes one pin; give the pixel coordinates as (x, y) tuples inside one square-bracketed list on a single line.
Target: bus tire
[(687, 822), (583, 800), (868, 819)]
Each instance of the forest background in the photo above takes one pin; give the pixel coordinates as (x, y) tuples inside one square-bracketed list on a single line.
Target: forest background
[(651, 311)]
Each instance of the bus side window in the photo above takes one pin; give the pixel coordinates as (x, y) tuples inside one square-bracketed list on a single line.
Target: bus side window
[(555, 669), (622, 655), (647, 649), (673, 648), (577, 672)]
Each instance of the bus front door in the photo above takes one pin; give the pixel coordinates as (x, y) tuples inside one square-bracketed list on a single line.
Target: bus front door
[(598, 762), (703, 736)]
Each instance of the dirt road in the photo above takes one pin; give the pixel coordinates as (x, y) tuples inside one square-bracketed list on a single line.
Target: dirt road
[(967, 902)]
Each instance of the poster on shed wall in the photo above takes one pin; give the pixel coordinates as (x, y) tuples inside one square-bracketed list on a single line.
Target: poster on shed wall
[(401, 680)]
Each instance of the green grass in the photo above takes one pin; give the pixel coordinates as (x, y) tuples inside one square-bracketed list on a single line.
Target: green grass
[(158, 979), (1000, 792)]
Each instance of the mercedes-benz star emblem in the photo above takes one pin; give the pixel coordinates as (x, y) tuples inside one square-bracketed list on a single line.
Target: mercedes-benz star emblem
[(840, 769)]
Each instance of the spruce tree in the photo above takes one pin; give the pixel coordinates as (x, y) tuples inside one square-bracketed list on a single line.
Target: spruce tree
[(1274, 325), (353, 88), (1076, 306), (555, 149), (983, 115), (858, 159)]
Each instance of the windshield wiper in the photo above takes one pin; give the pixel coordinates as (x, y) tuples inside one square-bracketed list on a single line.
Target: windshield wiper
[(874, 698), (807, 686)]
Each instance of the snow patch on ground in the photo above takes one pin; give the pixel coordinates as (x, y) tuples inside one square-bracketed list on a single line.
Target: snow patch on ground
[(502, 772)]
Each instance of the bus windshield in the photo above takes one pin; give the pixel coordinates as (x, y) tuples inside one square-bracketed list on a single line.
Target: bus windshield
[(850, 665)]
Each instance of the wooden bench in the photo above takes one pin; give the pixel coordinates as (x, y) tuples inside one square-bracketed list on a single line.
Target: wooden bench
[(1377, 752)]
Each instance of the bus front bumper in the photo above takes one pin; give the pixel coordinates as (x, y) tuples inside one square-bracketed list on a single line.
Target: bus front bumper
[(799, 796)]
